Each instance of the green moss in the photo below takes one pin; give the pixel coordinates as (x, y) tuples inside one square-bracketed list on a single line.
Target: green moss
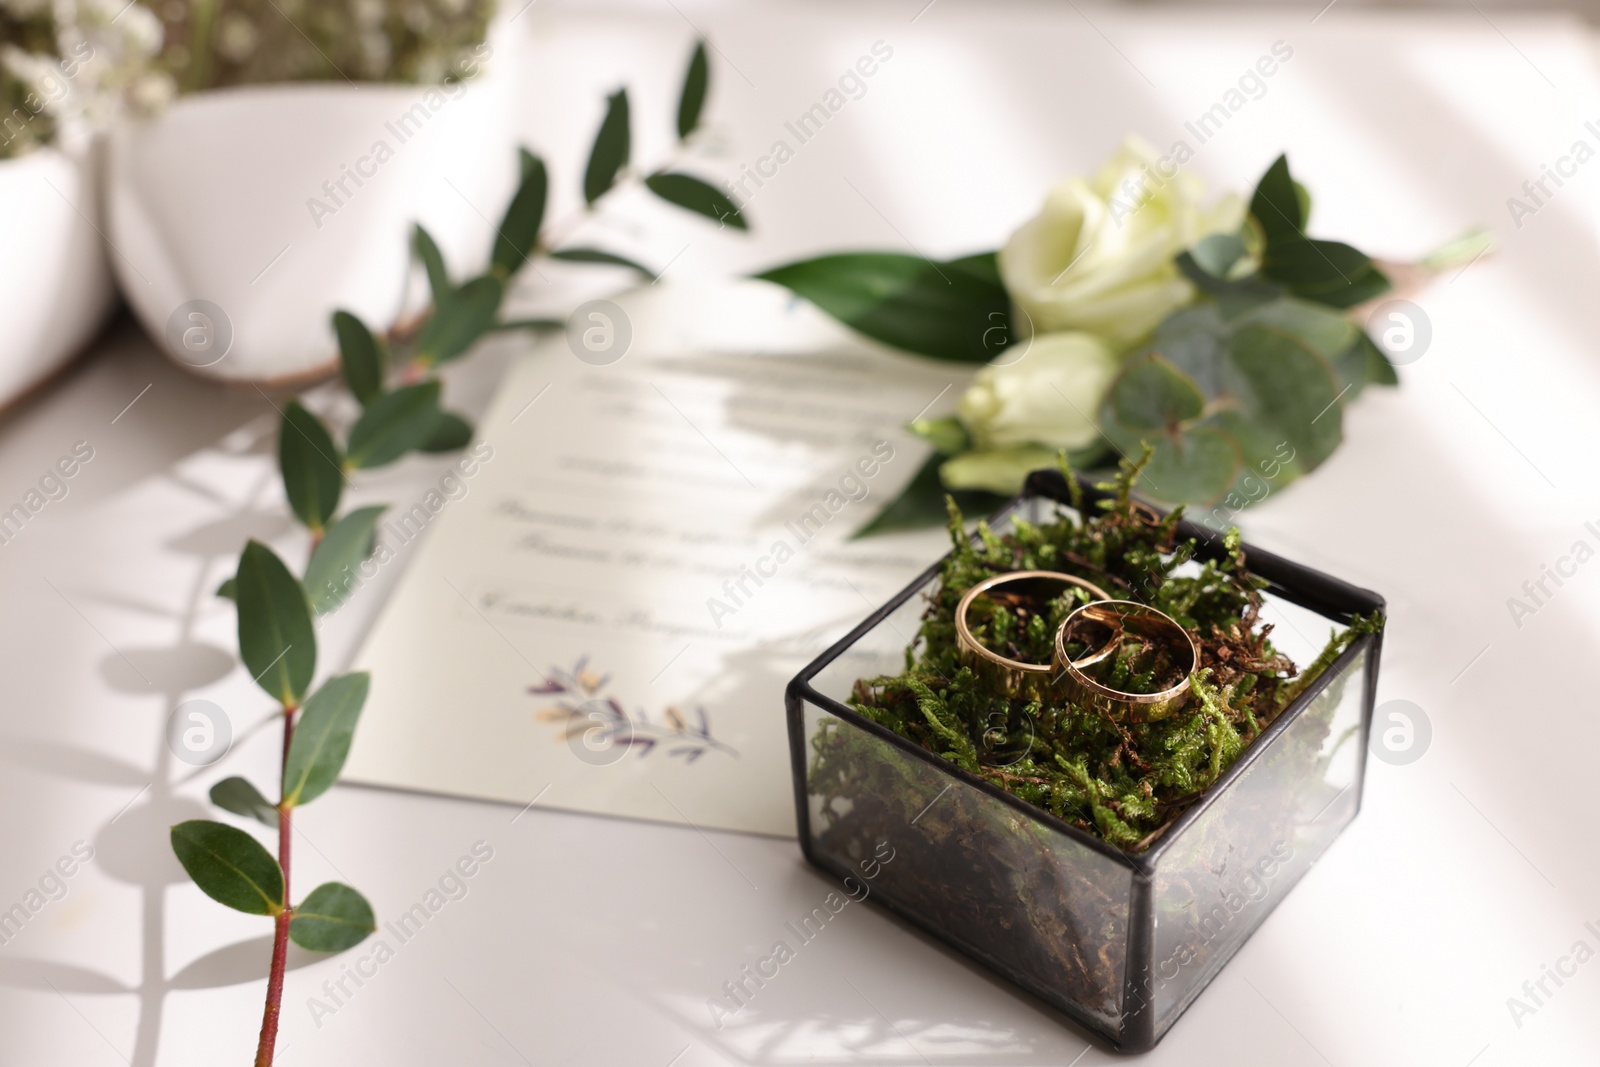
[(1121, 781)]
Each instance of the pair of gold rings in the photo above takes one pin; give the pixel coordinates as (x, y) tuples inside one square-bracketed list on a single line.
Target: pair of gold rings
[(1102, 625)]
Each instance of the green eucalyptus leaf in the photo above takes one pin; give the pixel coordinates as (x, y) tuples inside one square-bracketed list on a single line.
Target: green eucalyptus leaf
[(612, 147), (1292, 389), (1327, 332), (948, 435), (595, 255), (229, 866), (1153, 401), (692, 100), (1217, 253), (322, 736), (432, 262), (1266, 457), (240, 797), (450, 433), (1234, 296), (347, 542), (1152, 395), (362, 357), (952, 311), (1198, 464), (276, 638), (1376, 368), (459, 319), (692, 194), (313, 475), (227, 589), (1270, 379), (332, 918), (396, 423), (519, 230), (1195, 341)]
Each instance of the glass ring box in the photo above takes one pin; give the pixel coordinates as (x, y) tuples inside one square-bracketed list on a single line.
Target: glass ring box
[(1119, 941)]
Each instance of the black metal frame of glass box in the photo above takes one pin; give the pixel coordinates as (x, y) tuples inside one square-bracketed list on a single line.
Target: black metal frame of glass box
[(1141, 1018)]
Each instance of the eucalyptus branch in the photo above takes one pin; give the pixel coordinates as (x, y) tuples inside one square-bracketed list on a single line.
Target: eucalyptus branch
[(278, 611)]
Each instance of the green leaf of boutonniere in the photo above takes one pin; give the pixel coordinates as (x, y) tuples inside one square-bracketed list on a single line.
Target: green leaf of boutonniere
[(313, 472), (696, 81), (955, 310), (612, 147), (1329, 272), (1154, 402), (1363, 363), (276, 639), (229, 866), (1277, 206), (1233, 295), (692, 194), (1152, 394), (1004, 471), (948, 435), (332, 918), (922, 504), (1223, 401), (519, 229), (395, 424), (1292, 390), (1217, 254)]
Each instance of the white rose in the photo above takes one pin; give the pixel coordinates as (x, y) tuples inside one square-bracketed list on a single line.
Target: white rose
[(1048, 397), (1019, 414), (1098, 256)]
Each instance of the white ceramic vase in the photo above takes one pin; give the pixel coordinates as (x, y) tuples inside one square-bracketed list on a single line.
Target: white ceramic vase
[(241, 219), (55, 287)]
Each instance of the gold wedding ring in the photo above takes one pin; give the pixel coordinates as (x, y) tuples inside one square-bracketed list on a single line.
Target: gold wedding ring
[(1012, 677), (1124, 617)]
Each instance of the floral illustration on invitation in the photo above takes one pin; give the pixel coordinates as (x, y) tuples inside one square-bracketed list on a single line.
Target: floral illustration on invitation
[(599, 729)]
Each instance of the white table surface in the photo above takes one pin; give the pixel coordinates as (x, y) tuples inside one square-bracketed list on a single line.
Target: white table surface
[(595, 941)]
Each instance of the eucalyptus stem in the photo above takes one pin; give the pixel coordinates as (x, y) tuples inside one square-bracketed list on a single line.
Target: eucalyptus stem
[(277, 609), (280, 933), (558, 233)]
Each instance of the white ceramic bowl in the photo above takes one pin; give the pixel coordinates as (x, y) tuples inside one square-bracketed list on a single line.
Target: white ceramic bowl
[(55, 288), (241, 219)]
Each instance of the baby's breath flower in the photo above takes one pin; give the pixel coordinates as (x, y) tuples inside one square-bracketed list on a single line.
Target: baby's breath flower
[(236, 38)]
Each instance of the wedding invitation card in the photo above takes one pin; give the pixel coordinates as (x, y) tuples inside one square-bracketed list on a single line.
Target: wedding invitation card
[(638, 553)]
